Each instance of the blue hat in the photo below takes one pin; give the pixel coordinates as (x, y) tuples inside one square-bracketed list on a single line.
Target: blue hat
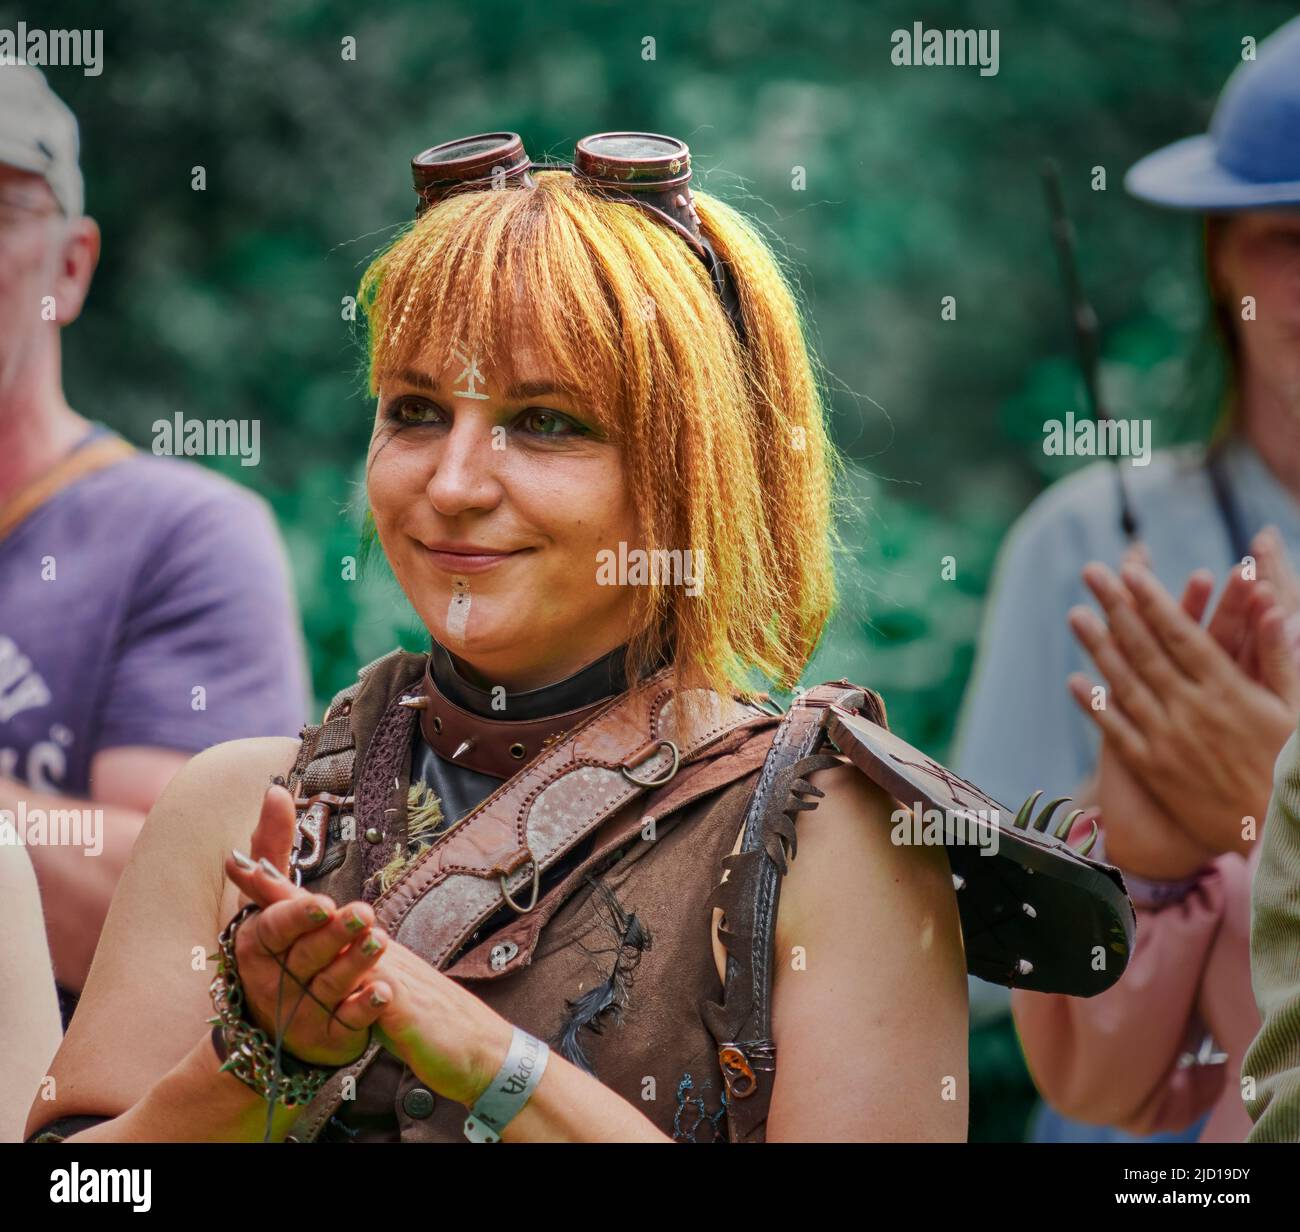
[(1250, 158)]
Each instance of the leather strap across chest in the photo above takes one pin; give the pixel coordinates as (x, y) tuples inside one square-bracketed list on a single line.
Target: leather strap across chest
[(749, 897), (498, 852)]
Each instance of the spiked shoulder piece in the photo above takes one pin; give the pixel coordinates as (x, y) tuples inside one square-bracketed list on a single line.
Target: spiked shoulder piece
[(1036, 913)]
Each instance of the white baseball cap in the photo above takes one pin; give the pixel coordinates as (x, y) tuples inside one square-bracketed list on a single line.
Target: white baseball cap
[(38, 133)]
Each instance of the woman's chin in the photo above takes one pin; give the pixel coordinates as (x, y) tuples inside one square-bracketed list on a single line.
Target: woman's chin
[(474, 632)]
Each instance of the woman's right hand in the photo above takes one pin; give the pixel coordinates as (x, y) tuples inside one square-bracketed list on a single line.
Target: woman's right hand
[(303, 958)]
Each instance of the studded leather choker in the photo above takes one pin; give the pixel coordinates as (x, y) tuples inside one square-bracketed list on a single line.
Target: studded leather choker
[(496, 746)]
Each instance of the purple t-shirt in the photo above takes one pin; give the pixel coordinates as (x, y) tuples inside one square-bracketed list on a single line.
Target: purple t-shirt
[(147, 603)]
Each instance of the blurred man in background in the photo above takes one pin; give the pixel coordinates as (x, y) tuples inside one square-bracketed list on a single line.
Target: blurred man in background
[(145, 609)]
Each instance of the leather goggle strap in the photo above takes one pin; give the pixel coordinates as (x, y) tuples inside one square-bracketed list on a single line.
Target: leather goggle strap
[(674, 206)]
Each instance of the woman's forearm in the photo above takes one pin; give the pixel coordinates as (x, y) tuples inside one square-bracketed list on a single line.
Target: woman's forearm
[(569, 1105), (457, 1045), (194, 1102)]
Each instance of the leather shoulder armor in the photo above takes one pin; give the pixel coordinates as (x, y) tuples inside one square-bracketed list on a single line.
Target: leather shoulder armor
[(1036, 913)]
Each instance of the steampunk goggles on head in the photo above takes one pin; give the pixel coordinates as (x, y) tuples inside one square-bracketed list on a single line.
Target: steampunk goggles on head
[(647, 170)]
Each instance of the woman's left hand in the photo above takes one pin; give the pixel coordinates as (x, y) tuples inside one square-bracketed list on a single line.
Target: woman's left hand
[(1196, 730), (444, 1034), (449, 1038)]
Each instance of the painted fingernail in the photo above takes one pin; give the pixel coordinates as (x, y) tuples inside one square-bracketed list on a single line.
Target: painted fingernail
[(316, 915), (269, 869), (354, 923), (371, 945), (376, 1000), (242, 860)]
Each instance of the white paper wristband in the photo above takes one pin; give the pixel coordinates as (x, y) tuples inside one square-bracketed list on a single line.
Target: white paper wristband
[(510, 1090)]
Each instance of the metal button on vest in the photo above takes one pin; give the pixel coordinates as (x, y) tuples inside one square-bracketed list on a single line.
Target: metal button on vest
[(418, 1103), (373, 835), (502, 954)]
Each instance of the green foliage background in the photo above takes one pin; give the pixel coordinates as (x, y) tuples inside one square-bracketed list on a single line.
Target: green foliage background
[(920, 183)]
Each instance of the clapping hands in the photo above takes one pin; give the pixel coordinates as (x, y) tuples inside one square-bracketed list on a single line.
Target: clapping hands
[(1193, 716), (343, 976)]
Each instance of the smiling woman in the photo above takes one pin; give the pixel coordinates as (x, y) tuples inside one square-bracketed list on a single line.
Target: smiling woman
[(560, 834), (492, 302)]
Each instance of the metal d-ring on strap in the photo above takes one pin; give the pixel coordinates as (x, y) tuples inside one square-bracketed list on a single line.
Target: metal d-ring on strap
[(537, 881), (672, 770), (632, 778)]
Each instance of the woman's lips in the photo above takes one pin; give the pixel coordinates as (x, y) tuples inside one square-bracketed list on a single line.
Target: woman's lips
[(478, 562)]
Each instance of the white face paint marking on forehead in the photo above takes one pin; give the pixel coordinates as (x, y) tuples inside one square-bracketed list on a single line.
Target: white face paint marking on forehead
[(458, 608)]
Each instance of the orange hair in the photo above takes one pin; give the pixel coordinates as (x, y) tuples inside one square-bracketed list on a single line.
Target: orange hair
[(725, 446)]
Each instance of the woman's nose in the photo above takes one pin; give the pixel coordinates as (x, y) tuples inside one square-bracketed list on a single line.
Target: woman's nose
[(465, 469)]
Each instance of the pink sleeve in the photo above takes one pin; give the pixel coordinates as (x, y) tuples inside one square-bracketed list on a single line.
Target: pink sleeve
[(1112, 1059)]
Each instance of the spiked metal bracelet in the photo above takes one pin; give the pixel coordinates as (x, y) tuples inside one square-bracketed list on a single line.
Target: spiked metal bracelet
[(247, 1053)]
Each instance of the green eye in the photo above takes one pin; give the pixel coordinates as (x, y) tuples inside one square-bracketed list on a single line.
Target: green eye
[(411, 411), (541, 422)]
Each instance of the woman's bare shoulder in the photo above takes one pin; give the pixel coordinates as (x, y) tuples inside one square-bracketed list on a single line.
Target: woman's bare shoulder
[(868, 943), (221, 785), (846, 847), (239, 762)]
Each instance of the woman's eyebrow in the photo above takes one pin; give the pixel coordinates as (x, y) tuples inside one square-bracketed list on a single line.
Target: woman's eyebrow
[(410, 376), (517, 392), (534, 389)]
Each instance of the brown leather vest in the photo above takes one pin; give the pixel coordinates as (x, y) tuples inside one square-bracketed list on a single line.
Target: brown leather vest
[(659, 1056)]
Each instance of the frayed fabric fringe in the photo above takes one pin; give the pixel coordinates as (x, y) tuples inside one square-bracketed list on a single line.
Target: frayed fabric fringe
[(423, 818)]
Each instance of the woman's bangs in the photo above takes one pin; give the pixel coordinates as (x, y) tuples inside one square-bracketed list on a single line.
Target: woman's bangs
[(477, 275)]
